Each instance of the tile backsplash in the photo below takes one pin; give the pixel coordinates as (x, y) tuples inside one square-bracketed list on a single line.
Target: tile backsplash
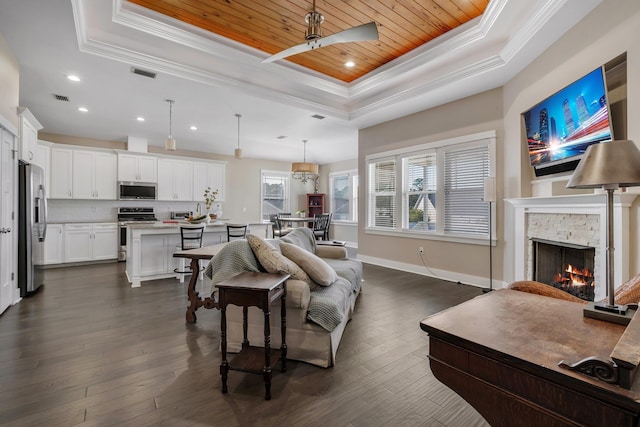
[(68, 210)]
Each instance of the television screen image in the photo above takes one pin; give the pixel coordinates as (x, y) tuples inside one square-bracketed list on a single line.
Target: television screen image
[(562, 126)]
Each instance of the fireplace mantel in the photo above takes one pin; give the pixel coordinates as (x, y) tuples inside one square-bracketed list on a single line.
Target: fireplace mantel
[(589, 204)]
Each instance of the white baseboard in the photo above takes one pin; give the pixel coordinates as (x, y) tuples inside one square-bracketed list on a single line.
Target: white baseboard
[(481, 282)]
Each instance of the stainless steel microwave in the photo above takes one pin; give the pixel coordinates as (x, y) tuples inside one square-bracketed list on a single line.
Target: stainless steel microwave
[(137, 191)]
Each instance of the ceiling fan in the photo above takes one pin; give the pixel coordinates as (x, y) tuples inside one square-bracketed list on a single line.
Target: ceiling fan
[(314, 39)]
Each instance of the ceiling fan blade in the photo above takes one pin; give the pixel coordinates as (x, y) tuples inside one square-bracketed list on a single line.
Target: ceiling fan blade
[(289, 52), (360, 33)]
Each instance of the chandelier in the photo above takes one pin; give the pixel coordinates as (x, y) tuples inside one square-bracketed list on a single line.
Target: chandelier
[(304, 171)]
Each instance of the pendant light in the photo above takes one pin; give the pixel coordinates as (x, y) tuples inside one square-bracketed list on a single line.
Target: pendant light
[(170, 143), (304, 171), (237, 153)]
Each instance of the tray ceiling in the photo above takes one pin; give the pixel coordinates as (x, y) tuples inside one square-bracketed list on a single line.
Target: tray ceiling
[(272, 26)]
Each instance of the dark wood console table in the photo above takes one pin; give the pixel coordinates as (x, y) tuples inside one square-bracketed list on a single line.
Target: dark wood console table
[(258, 290), (195, 255), (501, 352)]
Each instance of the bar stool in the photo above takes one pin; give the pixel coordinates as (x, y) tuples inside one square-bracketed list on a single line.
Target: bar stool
[(190, 238), (237, 231)]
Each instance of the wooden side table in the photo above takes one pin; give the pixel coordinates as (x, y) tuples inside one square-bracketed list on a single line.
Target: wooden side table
[(259, 290)]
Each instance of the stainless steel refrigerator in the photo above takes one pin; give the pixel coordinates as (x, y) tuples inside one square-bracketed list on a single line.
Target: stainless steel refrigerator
[(32, 227)]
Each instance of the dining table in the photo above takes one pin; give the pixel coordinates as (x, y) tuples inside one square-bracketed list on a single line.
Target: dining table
[(310, 221)]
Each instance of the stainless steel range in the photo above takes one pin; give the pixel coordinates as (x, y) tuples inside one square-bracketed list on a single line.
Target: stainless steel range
[(128, 216)]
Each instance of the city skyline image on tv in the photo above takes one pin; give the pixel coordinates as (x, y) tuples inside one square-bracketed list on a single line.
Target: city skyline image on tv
[(565, 124)]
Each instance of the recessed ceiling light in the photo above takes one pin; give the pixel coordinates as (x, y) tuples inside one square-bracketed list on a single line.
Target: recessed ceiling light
[(349, 64), (194, 128), (82, 109), (73, 78), (140, 119)]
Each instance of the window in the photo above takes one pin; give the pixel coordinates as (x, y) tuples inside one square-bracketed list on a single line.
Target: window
[(275, 193), (382, 193), (442, 188), (419, 191), (343, 192)]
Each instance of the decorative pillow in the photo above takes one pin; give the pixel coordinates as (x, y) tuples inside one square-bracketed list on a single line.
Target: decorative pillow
[(317, 269), (273, 261)]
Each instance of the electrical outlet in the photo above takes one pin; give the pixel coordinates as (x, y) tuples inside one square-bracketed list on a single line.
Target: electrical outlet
[(420, 250)]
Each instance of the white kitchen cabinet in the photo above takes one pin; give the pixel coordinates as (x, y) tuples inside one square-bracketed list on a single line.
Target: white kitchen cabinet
[(136, 168), (175, 180), (94, 175), (43, 159), (61, 173), (105, 241), (54, 244), (208, 174), (90, 242), (77, 242), (28, 135), (157, 250)]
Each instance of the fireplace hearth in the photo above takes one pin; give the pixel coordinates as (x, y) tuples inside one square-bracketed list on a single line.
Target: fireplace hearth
[(566, 266)]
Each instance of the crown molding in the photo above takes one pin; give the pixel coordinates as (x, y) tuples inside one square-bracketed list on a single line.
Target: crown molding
[(468, 52)]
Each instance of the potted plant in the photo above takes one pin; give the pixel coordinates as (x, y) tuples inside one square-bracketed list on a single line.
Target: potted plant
[(209, 199), (301, 213)]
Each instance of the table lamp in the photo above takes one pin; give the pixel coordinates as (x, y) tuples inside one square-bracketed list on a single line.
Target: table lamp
[(610, 166)]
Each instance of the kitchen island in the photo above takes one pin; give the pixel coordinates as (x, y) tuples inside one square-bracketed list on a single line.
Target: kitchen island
[(150, 247)]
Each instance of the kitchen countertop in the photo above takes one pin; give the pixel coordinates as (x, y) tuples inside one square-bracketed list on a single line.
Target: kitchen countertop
[(169, 225), (85, 221)]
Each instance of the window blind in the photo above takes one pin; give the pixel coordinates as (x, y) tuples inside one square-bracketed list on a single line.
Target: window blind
[(464, 173), (382, 191)]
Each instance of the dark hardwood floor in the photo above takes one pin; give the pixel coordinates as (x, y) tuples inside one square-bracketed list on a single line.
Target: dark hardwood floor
[(89, 350)]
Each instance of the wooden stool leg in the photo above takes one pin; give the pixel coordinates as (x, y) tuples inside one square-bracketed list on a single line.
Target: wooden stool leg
[(266, 371), (224, 366)]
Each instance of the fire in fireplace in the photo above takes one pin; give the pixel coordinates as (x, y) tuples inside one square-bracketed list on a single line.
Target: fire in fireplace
[(565, 266)]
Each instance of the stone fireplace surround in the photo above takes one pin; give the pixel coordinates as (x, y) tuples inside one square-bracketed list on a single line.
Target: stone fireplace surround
[(578, 219)]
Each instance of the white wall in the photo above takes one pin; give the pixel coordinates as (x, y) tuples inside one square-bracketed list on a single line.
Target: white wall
[(610, 30), (463, 262)]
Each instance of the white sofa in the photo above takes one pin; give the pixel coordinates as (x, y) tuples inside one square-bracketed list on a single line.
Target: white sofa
[(316, 316)]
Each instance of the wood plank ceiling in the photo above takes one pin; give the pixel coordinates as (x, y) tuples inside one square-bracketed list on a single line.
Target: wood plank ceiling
[(275, 25)]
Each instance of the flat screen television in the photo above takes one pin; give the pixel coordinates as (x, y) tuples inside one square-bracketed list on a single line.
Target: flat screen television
[(560, 128)]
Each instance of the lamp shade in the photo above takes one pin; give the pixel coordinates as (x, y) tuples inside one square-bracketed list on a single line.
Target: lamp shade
[(304, 168), (237, 153), (615, 163), (170, 144), (490, 189)]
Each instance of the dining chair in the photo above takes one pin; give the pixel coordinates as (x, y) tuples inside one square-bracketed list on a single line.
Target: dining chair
[(278, 230), (236, 231), (321, 226), (190, 238)]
